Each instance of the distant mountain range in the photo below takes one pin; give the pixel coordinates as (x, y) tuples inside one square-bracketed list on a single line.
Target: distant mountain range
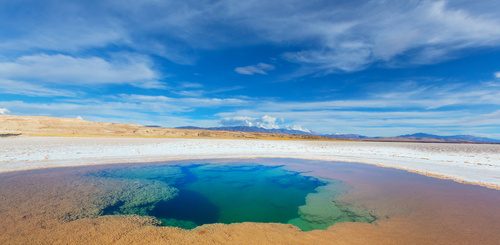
[(467, 138), (418, 137), (253, 129)]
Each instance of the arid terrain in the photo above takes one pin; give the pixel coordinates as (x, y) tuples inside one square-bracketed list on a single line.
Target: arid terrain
[(41, 207), (54, 126)]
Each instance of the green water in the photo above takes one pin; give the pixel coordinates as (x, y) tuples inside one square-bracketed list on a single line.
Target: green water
[(206, 194)]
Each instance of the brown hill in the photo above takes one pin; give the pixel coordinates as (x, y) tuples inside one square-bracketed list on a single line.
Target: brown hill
[(54, 126)]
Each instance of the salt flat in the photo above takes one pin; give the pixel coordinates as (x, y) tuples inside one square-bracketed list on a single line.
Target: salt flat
[(469, 163)]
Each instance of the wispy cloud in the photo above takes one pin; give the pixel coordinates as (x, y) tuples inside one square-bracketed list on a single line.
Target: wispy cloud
[(68, 70), (185, 89), (267, 122), (396, 111), (185, 103), (185, 85), (260, 68), (60, 27), (387, 31), (100, 111), (482, 119), (72, 49), (333, 36), (371, 123), (404, 110), (128, 108), (31, 89)]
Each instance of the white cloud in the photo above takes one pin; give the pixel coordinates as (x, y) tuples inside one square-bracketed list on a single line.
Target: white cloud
[(69, 27), (399, 110), (385, 30), (410, 108), (190, 85), (492, 119), (30, 89), (497, 74), (404, 97), (4, 111), (260, 68), (361, 122), (68, 70), (127, 108), (181, 103), (150, 85), (101, 111), (332, 35), (266, 122)]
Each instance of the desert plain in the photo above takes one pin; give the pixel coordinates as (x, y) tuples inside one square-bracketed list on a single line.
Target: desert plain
[(414, 211)]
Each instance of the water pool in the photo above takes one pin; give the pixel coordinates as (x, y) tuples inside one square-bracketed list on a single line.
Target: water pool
[(206, 193)]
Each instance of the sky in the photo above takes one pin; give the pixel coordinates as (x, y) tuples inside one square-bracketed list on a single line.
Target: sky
[(375, 68)]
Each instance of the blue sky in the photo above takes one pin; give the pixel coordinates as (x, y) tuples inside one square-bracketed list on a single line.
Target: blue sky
[(377, 68)]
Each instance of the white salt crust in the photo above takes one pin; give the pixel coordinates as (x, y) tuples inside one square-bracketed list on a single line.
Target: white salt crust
[(470, 163)]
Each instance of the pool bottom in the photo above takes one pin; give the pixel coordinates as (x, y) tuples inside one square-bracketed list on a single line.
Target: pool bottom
[(207, 194), (60, 206)]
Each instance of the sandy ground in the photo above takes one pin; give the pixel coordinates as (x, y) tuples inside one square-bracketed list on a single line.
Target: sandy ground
[(469, 163)]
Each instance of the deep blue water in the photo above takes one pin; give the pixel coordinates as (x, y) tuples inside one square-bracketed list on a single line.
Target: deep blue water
[(211, 193)]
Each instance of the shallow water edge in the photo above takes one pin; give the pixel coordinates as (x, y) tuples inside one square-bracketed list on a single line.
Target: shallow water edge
[(48, 206), (208, 193)]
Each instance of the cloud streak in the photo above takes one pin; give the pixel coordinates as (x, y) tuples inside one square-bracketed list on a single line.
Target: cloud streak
[(24, 88), (260, 68), (84, 55), (396, 111), (334, 36), (434, 109), (386, 32), (68, 70)]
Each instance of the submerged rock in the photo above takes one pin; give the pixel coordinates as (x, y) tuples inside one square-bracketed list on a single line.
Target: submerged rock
[(103, 195), (168, 174), (141, 196), (322, 210)]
